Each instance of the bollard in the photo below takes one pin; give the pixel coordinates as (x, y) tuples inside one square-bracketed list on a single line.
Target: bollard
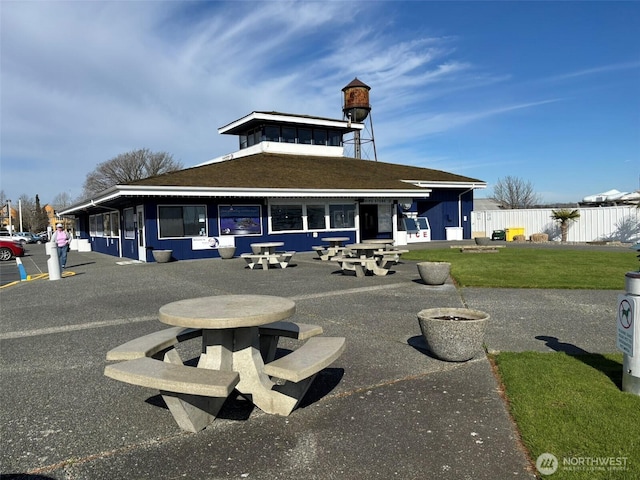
[(629, 333), (23, 272), (53, 263)]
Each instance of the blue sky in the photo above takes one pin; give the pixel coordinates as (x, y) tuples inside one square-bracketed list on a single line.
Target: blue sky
[(548, 92)]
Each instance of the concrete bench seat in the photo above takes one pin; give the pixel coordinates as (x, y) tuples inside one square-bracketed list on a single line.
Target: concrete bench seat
[(153, 344), (361, 265), (271, 333), (193, 395), (480, 248), (314, 355), (351, 264), (326, 252), (281, 259), (169, 377), (299, 331), (390, 255)]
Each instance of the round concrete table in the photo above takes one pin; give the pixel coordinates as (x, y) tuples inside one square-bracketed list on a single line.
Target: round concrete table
[(364, 249), (267, 247), (231, 339), (227, 311), (336, 241)]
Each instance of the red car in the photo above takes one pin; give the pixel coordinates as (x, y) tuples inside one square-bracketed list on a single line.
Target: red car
[(10, 249)]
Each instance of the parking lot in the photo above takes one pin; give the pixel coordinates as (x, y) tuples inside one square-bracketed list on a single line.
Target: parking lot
[(34, 262)]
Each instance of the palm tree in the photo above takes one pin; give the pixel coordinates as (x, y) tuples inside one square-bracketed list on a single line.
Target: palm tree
[(564, 216)]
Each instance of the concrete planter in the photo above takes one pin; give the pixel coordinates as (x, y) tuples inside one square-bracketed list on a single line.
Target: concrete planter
[(453, 334), (226, 252), (162, 256), (434, 273), (482, 241)]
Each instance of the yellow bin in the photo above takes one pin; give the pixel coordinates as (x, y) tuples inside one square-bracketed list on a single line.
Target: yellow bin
[(512, 232)]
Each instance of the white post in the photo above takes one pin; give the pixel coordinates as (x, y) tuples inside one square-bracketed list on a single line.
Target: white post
[(20, 214), (53, 263), (9, 209), (629, 333)]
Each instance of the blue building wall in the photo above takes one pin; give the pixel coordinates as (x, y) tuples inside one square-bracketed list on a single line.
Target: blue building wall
[(441, 209)]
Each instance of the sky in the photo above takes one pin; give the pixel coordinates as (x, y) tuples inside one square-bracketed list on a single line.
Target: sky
[(546, 92)]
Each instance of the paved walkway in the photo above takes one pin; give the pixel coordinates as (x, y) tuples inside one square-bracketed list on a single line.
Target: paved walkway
[(384, 410)]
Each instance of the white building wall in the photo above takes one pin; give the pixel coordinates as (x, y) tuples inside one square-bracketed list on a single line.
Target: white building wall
[(594, 224)]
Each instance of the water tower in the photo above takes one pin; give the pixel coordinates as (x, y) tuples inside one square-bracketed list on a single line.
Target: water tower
[(356, 108)]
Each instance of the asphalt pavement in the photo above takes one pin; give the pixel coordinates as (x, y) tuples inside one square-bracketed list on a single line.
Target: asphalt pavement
[(385, 409)]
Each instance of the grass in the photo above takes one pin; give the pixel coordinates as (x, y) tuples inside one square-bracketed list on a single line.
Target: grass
[(570, 406), (535, 268), (573, 408)]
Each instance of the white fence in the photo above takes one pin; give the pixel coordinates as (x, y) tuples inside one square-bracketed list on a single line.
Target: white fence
[(594, 224)]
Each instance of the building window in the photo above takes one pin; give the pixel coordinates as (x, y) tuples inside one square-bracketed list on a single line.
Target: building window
[(106, 224), (182, 221), (92, 225), (319, 136), (272, 133), (286, 217), (129, 224), (342, 216), (243, 141), (289, 134), (335, 138), (316, 219), (304, 136), (302, 217), (99, 227), (115, 224)]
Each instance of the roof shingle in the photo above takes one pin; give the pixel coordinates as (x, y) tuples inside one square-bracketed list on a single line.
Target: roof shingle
[(272, 170)]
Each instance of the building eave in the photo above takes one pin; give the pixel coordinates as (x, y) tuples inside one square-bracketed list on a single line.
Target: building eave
[(132, 191), (240, 125)]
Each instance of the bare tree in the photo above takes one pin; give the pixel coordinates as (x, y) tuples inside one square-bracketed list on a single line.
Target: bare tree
[(61, 200), (513, 192), (128, 167)]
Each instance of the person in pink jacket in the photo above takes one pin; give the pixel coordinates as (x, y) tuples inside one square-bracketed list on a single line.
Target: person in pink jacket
[(61, 240)]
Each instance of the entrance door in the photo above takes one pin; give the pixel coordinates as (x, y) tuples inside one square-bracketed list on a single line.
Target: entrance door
[(140, 233), (368, 221)]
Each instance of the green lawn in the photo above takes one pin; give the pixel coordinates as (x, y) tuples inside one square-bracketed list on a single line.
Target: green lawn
[(569, 406), (573, 408), (514, 267)]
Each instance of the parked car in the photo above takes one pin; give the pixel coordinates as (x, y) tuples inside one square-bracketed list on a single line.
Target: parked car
[(29, 237), (10, 249), (6, 235)]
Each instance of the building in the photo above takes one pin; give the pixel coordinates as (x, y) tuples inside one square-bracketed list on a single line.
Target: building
[(289, 181)]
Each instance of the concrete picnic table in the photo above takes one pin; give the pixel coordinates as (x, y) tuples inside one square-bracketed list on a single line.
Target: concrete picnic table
[(335, 247), (231, 341), (365, 258), (267, 255), (239, 339)]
